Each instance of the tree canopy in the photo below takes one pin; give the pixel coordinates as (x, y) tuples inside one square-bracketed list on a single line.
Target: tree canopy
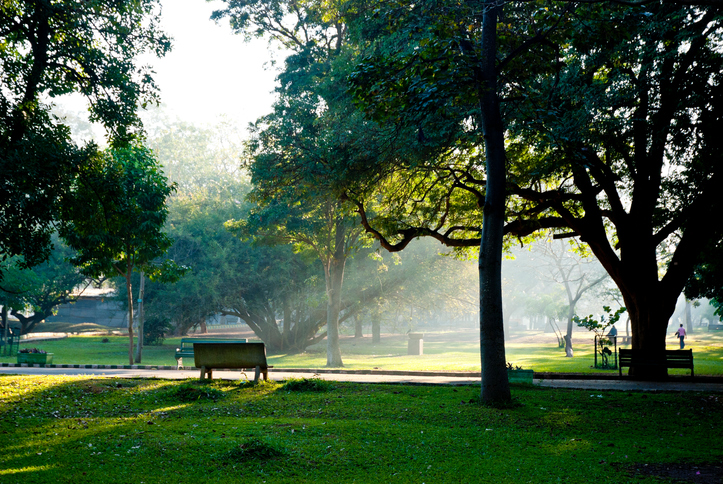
[(609, 113), (51, 49)]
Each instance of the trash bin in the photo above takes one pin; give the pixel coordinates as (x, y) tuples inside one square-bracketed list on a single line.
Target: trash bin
[(416, 344)]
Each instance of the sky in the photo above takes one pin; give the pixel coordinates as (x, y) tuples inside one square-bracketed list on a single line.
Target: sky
[(210, 72)]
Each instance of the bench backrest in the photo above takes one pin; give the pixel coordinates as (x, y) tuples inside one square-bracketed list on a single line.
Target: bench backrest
[(229, 355), (189, 342), (627, 356)]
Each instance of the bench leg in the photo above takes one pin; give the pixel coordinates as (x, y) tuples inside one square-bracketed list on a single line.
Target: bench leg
[(179, 362), (266, 374), (256, 374), (206, 372)]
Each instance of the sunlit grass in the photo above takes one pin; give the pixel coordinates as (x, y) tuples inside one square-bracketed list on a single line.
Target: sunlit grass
[(91, 430), (443, 351)]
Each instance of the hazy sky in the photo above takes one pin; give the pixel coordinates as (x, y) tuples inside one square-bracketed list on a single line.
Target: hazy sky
[(210, 72)]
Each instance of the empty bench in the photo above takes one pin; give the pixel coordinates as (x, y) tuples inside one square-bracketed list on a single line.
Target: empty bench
[(231, 356), (670, 359), (186, 349)]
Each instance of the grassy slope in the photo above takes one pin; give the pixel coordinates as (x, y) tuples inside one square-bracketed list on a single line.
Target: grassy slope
[(83, 430), (442, 351)]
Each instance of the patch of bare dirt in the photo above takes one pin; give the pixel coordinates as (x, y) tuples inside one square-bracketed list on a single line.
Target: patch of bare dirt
[(677, 472)]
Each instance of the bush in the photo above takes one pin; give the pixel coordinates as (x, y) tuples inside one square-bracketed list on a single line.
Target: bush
[(155, 329), (307, 385), (189, 392)]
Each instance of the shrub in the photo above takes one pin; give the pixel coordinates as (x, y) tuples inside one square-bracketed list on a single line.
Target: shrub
[(155, 330), (307, 385), (189, 392)]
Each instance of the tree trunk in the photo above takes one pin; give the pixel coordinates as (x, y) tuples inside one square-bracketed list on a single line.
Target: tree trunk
[(649, 318), (287, 321), (139, 344), (129, 294), (688, 318), (568, 336), (358, 328), (627, 327), (5, 330), (495, 385), (334, 282), (376, 328), (334, 277)]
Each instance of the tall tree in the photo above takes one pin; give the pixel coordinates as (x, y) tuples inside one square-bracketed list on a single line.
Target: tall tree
[(298, 150), (114, 220), (610, 130), (55, 48), (437, 69)]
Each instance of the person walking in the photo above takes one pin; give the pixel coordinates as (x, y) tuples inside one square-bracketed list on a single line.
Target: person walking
[(681, 335)]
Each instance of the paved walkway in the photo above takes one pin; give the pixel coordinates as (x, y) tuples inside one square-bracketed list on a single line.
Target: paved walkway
[(414, 378)]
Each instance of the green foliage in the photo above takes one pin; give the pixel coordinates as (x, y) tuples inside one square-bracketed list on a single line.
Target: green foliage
[(33, 294), (114, 218), (155, 330), (599, 327), (49, 49)]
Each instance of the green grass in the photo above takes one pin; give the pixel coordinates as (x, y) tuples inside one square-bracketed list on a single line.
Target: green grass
[(86, 430), (443, 351)]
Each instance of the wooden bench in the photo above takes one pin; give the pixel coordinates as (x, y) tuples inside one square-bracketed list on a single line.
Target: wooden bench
[(672, 359), (231, 356), (186, 349)]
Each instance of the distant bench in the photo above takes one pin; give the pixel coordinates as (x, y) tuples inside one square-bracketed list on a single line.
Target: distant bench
[(186, 349), (232, 356), (715, 327), (673, 359)]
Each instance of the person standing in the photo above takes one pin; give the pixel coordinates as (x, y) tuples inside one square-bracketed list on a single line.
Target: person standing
[(681, 335)]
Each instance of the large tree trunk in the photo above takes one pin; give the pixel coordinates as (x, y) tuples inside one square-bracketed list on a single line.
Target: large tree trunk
[(334, 276), (495, 386), (649, 316), (376, 330), (688, 318), (334, 282)]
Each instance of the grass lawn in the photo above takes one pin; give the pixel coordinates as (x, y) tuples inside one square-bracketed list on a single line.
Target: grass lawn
[(90, 430), (443, 351)]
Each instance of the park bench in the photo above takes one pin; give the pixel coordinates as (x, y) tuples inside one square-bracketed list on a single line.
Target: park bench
[(672, 359), (715, 327), (231, 356), (186, 349)]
